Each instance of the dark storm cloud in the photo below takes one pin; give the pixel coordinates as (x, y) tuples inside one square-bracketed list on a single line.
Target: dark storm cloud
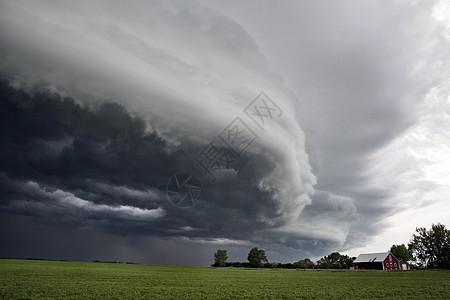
[(103, 102), (103, 108), (75, 166), (27, 237)]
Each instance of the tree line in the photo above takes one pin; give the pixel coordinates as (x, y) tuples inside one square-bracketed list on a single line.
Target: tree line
[(426, 249), (257, 259)]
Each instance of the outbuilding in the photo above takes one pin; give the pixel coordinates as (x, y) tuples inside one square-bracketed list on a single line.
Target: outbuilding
[(379, 261)]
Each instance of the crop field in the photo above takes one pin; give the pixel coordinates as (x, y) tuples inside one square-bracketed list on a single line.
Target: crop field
[(28, 279)]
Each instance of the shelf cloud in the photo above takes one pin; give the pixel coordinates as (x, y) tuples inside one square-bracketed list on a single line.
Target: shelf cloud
[(277, 136)]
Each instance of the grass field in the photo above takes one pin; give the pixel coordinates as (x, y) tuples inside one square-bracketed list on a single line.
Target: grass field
[(22, 279)]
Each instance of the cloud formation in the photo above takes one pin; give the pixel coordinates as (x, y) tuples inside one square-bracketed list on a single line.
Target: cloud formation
[(100, 111), (104, 102), (367, 75)]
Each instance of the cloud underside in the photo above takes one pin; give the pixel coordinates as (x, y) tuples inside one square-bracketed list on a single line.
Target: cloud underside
[(99, 115), (75, 165)]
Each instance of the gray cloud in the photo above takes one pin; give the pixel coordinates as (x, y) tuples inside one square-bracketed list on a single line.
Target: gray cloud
[(102, 103), (61, 157), (362, 72)]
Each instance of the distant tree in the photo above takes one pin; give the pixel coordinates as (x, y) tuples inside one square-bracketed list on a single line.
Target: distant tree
[(256, 257), (335, 261), (348, 261), (288, 266), (401, 252), (299, 264), (431, 248), (220, 258), (275, 265), (309, 264), (324, 263), (304, 264), (237, 264)]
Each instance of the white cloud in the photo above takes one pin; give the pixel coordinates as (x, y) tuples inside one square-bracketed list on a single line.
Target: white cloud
[(415, 169), (124, 191), (372, 83), (65, 202), (214, 241)]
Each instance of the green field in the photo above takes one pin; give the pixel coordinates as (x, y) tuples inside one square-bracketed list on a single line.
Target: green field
[(22, 279)]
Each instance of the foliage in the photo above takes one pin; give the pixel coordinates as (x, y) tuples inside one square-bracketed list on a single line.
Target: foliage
[(237, 264), (431, 248), (256, 257), (220, 257), (401, 252), (20, 279), (304, 264), (335, 261)]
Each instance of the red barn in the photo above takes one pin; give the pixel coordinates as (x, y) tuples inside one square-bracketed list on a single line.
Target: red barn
[(379, 261), (404, 265)]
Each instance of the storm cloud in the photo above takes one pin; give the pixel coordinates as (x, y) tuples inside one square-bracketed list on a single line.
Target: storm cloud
[(103, 103)]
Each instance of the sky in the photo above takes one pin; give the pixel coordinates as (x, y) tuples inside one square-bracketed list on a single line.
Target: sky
[(160, 131)]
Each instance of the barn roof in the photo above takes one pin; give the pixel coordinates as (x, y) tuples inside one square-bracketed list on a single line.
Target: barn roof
[(371, 257)]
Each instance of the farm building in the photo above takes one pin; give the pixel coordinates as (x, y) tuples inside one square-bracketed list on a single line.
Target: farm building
[(379, 261)]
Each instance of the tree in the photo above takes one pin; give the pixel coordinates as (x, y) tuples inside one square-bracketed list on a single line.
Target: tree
[(308, 263), (304, 264), (220, 257), (256, 257), (335, 261), (401, 252), (431, 248)]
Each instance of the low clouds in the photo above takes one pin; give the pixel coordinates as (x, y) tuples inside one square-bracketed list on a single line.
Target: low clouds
[(71, 166), (102, 103), (60, 157), (98, 123), (53, 203)]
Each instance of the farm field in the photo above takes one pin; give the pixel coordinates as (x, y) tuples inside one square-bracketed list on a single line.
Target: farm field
[(29, 279)]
